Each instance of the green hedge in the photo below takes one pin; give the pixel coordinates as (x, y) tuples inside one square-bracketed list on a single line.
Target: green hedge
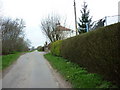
[(98, 51), (55, 48), (40, 49)]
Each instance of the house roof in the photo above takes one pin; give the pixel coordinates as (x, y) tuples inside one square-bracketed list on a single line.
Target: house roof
[(59, 27)]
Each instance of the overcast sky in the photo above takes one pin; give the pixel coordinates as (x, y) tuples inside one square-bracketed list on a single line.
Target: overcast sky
[(32, 11)]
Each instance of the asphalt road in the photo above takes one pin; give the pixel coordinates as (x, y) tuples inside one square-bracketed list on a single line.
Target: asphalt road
[(30, 71)]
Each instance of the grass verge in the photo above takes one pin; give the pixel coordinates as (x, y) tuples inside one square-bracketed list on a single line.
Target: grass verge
[(77, 76), (7, 60)]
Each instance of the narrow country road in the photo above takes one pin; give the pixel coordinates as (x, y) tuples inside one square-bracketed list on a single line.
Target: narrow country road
[(30, 71)]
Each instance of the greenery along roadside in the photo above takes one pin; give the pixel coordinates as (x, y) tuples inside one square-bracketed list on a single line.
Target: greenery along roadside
[(78, 76), (7, 60), (98, 51)]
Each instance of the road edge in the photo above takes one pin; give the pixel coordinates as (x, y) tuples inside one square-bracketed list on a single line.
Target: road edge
[(60, 80)]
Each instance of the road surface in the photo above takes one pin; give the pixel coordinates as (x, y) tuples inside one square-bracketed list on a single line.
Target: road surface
[(30, 71)]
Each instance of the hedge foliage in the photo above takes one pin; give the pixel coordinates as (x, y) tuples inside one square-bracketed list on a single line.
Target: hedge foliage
[(98, 51), (40, 48), (55, 48)]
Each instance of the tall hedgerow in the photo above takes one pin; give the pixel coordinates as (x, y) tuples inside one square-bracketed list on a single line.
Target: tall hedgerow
[(55, 48)]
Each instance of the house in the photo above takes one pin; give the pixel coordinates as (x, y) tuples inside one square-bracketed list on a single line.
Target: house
[(65, 31)]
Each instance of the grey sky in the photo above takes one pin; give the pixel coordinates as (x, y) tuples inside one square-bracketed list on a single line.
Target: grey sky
[(32, 11)]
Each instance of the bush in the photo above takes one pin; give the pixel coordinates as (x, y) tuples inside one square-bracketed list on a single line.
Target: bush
[(98, 51), (55, 47), (40, 48)]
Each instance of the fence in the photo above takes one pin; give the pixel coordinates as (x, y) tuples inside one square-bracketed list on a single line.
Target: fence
[(108, 20)]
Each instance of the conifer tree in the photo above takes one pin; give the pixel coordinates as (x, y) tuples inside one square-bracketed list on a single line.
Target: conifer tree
[(85, 19)]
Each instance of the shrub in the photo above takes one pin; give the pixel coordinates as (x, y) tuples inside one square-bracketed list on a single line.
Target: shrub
[(55, 47), (98, 51), (40, 48)]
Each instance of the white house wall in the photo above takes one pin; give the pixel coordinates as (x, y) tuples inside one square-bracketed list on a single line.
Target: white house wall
[(69, 34)]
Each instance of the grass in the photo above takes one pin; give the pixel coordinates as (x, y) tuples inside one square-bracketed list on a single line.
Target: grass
[(77, 76), (0, 62), (7, 60)]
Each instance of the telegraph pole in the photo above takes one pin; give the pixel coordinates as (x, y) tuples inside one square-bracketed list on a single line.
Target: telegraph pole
[(75, 18)]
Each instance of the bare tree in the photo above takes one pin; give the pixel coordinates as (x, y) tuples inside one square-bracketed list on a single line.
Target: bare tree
[(13, 36), (49, 26)]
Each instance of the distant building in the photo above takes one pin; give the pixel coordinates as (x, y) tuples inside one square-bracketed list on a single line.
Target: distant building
[(66, 31), (119, 11)]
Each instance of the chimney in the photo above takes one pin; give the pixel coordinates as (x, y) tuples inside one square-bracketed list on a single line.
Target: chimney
[(58, 24)]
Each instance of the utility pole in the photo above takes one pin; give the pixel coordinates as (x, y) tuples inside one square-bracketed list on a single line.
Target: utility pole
[(119, 11), (75, 18)]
